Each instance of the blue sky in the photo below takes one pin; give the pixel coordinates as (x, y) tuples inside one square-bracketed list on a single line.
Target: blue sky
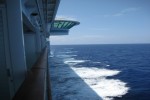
[(105, 21)]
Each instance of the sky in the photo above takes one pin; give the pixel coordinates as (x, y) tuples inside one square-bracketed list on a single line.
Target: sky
[(105, 22)]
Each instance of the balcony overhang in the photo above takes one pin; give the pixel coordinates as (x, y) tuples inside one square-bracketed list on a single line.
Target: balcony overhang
[(59, 32), (39, 14), (61, 27)]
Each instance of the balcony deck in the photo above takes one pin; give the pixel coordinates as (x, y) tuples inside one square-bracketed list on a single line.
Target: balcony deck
[(36, 85)]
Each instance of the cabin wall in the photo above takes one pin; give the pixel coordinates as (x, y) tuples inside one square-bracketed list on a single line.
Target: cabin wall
[(19, 49), (4, 79), (16, 42), (30, 49)]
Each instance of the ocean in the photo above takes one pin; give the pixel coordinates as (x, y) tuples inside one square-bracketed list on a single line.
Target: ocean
[(100, 72)]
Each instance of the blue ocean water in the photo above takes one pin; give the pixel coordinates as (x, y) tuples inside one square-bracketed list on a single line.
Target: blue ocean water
[(95, 72)]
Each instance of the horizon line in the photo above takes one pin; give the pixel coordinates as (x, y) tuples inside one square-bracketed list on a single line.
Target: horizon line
[(103, 44)]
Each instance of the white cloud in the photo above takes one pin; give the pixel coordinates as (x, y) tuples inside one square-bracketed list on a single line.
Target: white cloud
[(125, 11), (64, 17)]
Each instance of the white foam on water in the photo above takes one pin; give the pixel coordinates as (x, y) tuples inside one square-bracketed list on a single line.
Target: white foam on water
[(72, 61), (93, 72), (69, 52), (97, 62), (66, 52), (96, 79), (65, 56), (107, 65), (51, 54), (73, 55)]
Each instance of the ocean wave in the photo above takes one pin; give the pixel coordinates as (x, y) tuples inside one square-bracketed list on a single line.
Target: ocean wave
[(107, 65), (95, 72), (65, 56), (67, 52), (51, 54), (96, 79), (104, 64), (72, 61), (97, 62)]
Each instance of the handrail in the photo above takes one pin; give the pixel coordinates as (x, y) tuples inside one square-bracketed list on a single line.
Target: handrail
[(34, 86)]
